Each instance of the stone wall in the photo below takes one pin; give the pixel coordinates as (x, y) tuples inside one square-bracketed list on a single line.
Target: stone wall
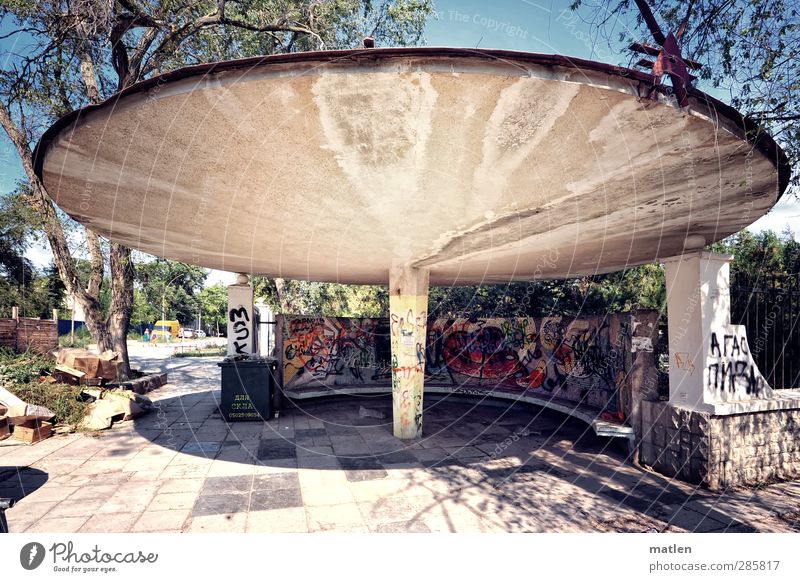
[(721, 451), (25, 333)]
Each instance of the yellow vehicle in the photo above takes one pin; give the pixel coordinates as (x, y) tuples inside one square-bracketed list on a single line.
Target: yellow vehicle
[(164, 330)]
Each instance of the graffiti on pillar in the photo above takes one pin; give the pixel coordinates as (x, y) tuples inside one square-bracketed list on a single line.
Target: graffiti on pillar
[(240, 323), (731, 371), (684, 361), (240, 320), (579, 360), (407, 325)]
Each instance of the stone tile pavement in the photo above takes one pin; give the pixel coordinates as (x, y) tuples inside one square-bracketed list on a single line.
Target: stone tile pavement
[(322, 467)]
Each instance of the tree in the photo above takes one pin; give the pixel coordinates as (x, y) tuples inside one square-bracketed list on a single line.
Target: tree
[(171, 289), (79, 52), (21, 284), (748, 49), (314, 298), (15, 269), (214, 305), (759, 256)]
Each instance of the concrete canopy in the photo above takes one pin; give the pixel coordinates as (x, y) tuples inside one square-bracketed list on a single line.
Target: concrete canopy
[(480, 166)]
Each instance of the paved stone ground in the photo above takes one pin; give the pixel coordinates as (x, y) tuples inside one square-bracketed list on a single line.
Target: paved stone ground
[(326, 468)]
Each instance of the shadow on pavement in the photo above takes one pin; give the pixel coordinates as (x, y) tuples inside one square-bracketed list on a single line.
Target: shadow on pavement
[(509, 462), (15, 484)]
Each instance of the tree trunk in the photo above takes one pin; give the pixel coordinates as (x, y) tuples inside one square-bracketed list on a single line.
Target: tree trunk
[(121, 302), (280, 291), (88, 299)]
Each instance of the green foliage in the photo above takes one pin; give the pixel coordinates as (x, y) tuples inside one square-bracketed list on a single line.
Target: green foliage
[(62, 399), (634, 288), (760, 255), (333, 24), (14, 231), (329, 299), (36, 293), (80, 339), (23, 368), (214, 305), (168, 287)]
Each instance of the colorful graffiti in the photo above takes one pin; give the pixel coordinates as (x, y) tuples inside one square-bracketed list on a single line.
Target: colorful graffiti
[(407, 325), (580, 360), (328, 350)]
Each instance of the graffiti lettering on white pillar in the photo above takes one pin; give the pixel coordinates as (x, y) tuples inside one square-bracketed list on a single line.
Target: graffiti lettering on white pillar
[(732, 345), (240, 321), (733, 368), (241, 338)]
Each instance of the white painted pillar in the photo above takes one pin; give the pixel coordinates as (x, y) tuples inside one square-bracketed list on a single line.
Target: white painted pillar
[(710, 362), (408, 312), (241, 340), (266, 329)]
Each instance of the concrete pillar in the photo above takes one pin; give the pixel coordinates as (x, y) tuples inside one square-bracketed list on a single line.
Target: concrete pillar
[(266, 329), (408, 312), (710, 362), (241, 332)]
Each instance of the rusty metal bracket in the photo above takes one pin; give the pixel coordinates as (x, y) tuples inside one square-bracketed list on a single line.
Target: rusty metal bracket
[(668, 59)]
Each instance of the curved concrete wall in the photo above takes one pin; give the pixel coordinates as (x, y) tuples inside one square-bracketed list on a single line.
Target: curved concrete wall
[(582, 360)]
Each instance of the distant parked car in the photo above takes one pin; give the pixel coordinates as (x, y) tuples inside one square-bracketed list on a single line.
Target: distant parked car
[(186, 333), (199, 333)]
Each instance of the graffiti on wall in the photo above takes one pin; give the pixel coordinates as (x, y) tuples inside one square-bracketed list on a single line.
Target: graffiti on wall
[(731, 372), (580, 360), (330, 350)]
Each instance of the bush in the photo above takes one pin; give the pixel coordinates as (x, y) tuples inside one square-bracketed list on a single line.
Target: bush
[(62, 399), (24, 368), (22, 372)]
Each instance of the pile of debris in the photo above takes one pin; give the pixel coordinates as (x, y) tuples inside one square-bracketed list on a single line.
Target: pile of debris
[(25, 422), (97, 373), (87, 368)]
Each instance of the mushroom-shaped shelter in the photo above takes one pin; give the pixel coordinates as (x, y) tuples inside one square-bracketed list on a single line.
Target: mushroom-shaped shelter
[(410, 166)]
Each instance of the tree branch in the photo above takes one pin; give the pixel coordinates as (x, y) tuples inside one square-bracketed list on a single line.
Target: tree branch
[(43, 205), (217, 18)]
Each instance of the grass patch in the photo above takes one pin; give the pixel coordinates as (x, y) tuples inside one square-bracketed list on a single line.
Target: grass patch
[(215, 352)]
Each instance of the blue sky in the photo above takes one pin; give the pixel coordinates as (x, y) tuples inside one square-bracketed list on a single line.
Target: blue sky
[(545, 26)]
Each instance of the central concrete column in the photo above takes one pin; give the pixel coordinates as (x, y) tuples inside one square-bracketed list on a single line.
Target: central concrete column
[(408, 313)]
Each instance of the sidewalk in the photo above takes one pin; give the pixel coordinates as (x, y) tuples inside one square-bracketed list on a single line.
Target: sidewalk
[(325, 468)]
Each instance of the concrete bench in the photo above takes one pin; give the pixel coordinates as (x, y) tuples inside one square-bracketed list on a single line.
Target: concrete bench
[(587, 414)]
